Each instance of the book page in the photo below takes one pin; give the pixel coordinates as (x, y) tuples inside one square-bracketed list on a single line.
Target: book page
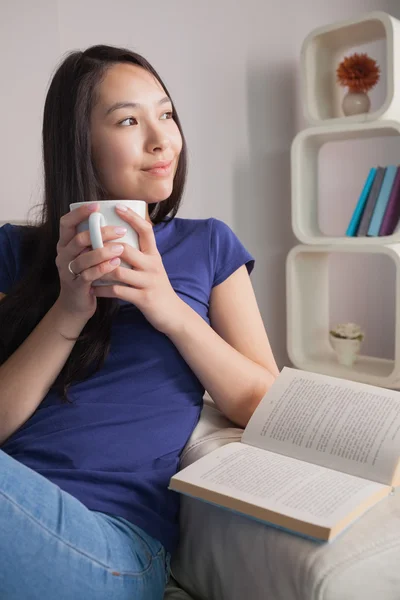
[(343, 425), (279, 483)]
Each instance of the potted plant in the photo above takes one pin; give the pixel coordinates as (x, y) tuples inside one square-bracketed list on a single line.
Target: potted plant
[(346, 340), (359, 73)]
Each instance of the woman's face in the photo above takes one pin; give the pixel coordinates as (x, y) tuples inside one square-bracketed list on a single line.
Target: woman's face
[(128, 141)]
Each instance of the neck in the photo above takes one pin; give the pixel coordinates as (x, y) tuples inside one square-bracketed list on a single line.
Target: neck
[(147, 214)]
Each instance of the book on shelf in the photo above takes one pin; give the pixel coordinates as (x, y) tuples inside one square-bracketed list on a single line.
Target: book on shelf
[(382, 201), (317, 453), (371, 201), (358, 211), (392, 213)]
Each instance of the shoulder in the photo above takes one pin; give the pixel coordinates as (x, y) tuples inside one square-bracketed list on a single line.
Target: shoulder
[(190, 225), (215, 233), (8, 256), (226, 253), (190, 234), (6, 229), (220, 229), (11, 237), (210, 226), (11, 231)]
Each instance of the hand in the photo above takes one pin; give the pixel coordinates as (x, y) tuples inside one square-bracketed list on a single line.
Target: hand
[(75, 294), (149, 287)]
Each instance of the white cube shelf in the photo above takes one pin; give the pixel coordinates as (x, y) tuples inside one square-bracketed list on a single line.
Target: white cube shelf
[(321, 53), (304, 178), (307, 305)]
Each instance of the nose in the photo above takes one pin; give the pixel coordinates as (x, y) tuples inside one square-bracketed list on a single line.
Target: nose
[(157, 138)]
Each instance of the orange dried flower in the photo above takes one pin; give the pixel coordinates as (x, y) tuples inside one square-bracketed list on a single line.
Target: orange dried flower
[(358, 72)]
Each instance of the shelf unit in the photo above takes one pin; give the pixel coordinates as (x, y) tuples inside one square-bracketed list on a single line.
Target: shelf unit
[(320, 54), (304, 176), (307, 281), (308, 324)]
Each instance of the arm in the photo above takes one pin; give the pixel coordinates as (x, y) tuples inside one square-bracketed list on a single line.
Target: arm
[(27, 375), (233, 357)]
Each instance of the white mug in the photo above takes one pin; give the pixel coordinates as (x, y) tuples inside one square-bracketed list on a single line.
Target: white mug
[(107, 215)]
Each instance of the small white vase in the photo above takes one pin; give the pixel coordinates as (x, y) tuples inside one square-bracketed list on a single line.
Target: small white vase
[(355, 103), (346, 350)]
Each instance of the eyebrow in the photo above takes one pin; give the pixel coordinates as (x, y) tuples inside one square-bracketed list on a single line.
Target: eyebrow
[(119, 105)]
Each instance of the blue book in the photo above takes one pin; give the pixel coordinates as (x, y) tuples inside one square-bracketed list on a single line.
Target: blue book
[(358, 211), (371, 201), (383, 199)]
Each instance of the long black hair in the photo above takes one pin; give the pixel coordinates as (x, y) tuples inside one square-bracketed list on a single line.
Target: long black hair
[(70, 176)]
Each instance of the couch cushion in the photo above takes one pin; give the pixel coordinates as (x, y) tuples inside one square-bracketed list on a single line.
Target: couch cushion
[(224, 556), (174, 592)]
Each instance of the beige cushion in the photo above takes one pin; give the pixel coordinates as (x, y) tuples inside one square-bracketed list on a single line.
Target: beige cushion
[(174, 592), (223, 556)]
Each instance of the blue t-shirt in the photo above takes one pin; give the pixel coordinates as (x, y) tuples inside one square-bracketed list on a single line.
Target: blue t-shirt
[(117, 445)]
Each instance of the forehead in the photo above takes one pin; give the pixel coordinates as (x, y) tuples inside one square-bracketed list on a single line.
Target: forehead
[(126, 81)]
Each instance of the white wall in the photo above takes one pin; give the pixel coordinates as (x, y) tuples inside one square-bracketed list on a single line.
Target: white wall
[(232, 69)]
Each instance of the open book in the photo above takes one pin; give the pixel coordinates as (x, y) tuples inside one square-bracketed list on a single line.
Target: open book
[(317, 453)]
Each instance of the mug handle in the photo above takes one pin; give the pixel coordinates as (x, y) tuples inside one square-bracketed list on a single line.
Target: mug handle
[(96, 220)]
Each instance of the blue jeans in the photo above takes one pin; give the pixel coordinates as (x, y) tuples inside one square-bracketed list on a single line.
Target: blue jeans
[(53, 547)]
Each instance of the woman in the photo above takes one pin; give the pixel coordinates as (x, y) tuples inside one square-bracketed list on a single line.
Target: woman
[(101, 387)]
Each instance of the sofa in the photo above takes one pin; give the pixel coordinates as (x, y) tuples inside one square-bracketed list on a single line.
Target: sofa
[(224, 556)]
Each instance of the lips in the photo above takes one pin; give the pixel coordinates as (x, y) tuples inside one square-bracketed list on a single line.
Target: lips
[(159, 165), (163, 167)]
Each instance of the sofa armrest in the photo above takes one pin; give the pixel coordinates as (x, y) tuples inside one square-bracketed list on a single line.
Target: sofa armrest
[(212, 431), (226, 556)]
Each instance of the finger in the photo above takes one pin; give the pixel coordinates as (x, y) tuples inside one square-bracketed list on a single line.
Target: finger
[(117, 291), (82, 240), (135, 279), (69, 221), (135, 257), (144, 229), (87, 260), (96, 272), (102, 255)]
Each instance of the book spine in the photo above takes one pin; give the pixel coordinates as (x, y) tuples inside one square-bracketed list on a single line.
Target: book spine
[(355, 219), (392, 213), (372, 198), (383, 199)]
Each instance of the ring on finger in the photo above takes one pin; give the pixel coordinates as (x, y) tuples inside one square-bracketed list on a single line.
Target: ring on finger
[(76, 275)]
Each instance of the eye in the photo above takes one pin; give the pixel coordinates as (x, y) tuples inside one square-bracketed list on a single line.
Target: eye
[(167, 115), (127, 119)]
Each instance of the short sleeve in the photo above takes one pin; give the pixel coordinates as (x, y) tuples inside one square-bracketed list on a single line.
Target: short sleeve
[(227, 252), (8, 257)]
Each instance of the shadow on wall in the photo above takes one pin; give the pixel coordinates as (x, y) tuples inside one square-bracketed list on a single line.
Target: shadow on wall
[(262, 211)]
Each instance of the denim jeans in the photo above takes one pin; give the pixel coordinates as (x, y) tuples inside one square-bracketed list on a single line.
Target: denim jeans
[(53, 547)]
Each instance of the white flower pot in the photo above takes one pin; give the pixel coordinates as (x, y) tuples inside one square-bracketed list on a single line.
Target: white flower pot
[(346, 350), (355, 103)]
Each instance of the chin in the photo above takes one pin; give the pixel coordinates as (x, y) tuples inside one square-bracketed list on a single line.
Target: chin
[(152, 192), (158, 195)]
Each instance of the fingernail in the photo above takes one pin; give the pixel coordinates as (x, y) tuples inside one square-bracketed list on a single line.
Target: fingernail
[(117, 248), (114, 261), (93, 207), (122, 207), (120, 230)]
